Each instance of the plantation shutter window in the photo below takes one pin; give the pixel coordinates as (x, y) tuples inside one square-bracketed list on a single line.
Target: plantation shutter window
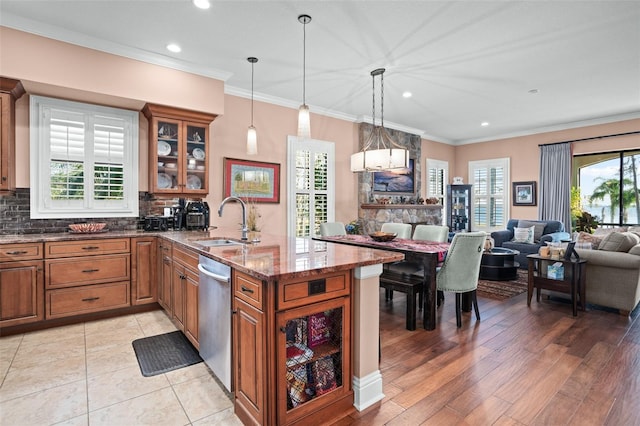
[(83, 160), (490, 195), (437, 178)]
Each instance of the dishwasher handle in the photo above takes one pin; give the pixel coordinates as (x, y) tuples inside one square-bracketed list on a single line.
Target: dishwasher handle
[(216, 277)]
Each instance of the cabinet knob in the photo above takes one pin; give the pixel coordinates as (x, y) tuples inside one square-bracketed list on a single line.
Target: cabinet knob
[(4, 178), (283, 330)]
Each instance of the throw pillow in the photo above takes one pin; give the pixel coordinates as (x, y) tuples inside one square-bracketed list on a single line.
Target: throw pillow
[(606, 231), (635, 250), (619, 241), (523, 235), (585, 237), (538, 228)]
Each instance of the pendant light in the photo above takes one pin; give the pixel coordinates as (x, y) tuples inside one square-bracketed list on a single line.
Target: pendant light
[(252, 136), (379, 152), (304, 120)]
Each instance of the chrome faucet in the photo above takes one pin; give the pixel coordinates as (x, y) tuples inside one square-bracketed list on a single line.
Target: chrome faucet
[(244, 214)]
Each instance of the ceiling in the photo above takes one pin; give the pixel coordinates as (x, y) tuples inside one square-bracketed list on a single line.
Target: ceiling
[(465, 62)]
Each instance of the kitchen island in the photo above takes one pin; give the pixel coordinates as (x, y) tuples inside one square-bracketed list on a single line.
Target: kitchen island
[(278, 284)]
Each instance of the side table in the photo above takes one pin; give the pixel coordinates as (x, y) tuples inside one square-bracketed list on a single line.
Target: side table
[(573, 282)]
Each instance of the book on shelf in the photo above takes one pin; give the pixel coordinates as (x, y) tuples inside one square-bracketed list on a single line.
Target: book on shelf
[(324, 375), (319, 331)]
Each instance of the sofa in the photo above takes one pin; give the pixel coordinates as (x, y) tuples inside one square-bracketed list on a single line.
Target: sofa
[(545, 231), (613, 271)]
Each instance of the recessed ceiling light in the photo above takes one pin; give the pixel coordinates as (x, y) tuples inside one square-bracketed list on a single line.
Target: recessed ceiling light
[(534, 91), (484, 123), (172, 47), (407, 94), (202, 4)]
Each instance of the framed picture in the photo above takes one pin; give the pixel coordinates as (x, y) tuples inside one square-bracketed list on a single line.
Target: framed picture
[(401, 181), (255, 181), (524, 193)]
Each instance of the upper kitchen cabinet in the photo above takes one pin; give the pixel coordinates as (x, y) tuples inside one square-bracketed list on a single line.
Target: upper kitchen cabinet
[(178, 150), (10, 91)]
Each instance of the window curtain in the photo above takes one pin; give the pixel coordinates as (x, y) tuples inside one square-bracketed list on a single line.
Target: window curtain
[(555, 183)]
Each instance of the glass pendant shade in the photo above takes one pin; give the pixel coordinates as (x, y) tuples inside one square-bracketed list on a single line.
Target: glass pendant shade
[(304, 122), (252, 141)]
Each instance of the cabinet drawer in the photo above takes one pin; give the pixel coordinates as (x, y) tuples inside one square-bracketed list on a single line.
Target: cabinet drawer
[(20, 251), (86, 247), (91, 298), (292, 294), (86, 270), (186, 257), (248, 289)]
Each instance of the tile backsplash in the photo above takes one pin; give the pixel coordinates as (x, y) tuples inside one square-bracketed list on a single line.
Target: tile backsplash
[(14, 215)]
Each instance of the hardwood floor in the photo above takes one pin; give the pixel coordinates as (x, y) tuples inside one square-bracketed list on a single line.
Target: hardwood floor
[(517, 366)]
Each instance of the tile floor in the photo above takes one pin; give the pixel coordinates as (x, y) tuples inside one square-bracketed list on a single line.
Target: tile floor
[(87, 374)]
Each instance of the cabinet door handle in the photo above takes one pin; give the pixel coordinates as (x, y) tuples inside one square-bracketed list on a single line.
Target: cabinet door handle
[(90, 299), (90, 270), (90, 248), (17, 252), (245, 289), (283, 330)]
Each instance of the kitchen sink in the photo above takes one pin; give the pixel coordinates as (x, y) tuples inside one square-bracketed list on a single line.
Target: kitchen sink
[(218, 242)]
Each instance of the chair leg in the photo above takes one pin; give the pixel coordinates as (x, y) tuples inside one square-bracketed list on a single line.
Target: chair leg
[(421, 299), (474, 298), (459, 309), (439, 298)]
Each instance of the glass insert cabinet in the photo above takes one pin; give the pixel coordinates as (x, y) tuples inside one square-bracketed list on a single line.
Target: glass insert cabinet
[(459, 208), (178, 150)]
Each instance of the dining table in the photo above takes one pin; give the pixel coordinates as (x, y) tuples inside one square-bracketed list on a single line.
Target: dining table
[(429, 254)]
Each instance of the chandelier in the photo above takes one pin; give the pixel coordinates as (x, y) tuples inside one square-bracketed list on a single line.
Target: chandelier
[(379, 152)]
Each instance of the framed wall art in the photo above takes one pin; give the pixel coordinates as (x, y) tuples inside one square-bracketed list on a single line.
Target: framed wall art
[(401, 181), (524, 193), (253, 181)]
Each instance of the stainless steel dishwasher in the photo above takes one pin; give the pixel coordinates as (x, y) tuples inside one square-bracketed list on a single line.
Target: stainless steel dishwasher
[(214, 311)]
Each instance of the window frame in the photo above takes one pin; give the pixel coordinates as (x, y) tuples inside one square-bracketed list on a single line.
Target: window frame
[(41, 204), (295, 144), (486, 164), (438, 165)]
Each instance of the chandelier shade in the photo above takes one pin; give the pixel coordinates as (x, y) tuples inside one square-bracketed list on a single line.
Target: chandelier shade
[(304, 119), (252, 135), (379, 152)]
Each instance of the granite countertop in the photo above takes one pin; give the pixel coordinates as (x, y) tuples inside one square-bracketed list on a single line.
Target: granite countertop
[(273, 258)]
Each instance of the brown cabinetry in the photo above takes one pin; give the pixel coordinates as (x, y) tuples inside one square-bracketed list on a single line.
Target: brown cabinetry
[(21, 284), (309, 377), (164, 274), (10, 91), (144, 282), (87, 276), (184, 292), (178, 150)]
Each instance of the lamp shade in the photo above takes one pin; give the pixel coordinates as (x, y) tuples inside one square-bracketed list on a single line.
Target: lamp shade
[(379, 159), (252, 141), (304, 122)]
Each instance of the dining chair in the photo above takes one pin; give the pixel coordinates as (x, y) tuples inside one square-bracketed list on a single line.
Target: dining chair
[(328, 229), (403, 230), (437, 233), (460, 269)]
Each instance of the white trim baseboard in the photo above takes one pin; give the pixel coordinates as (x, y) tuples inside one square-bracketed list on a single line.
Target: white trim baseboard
[(367, 390)]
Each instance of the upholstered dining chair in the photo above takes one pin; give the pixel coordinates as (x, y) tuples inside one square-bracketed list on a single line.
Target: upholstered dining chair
[(437, 233), (460, 269), (403, 230), (328, 229)]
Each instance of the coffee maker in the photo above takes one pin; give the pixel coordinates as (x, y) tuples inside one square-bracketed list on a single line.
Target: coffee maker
[(197, 215), (180, 215)]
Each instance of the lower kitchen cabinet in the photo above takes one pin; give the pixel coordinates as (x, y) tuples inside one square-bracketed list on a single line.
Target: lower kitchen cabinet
[(86, 299), (185, 283), (297, 370), (165, 274), (21, 292), (144, 282)]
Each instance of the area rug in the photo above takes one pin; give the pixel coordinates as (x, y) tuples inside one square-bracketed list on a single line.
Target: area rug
[(164, 352), (501, 290)]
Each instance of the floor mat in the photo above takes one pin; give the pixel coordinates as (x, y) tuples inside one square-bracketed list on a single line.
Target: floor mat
[(164, 352)]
